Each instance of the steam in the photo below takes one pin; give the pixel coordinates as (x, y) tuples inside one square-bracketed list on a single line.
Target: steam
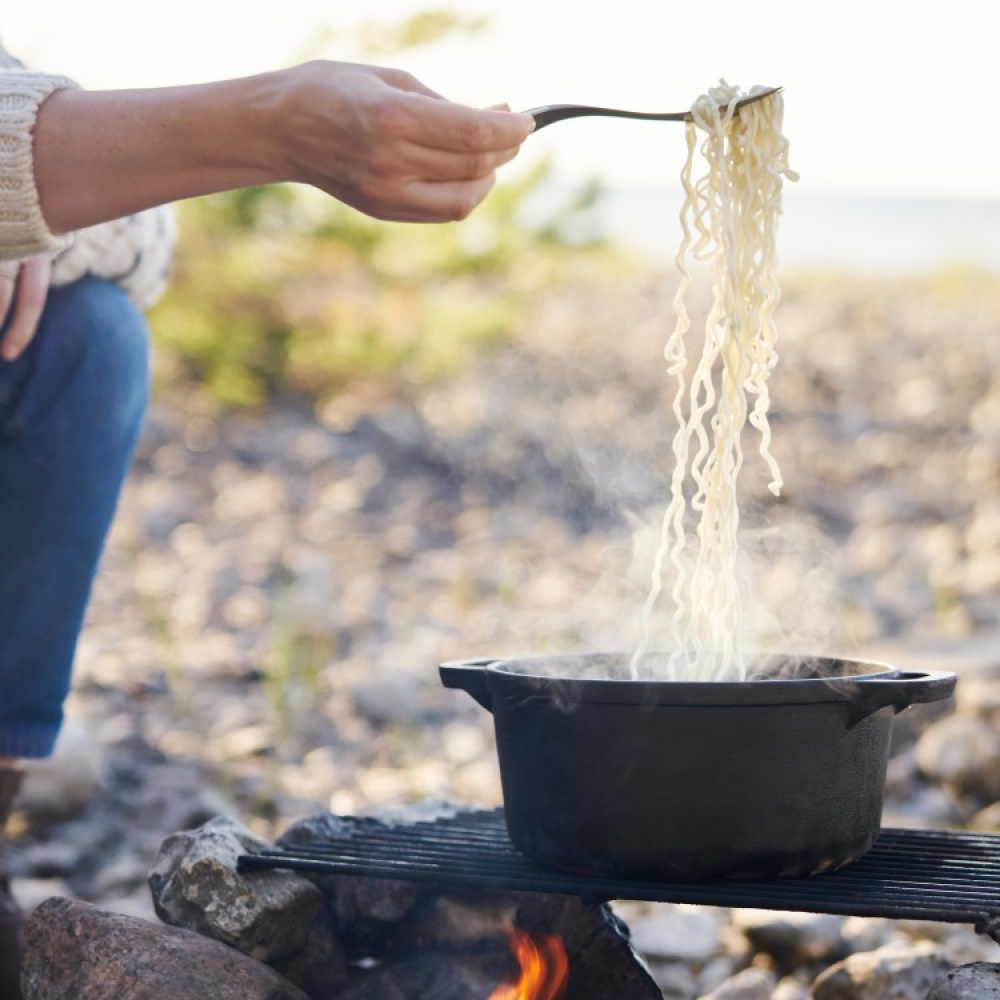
[(791, 602), (565, 468)]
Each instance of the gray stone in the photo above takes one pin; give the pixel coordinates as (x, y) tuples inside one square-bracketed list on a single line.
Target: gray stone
[(196, 885), (76, 951), (792, 939), (979, 981), (790, 989), (899, 972), (674, 932), (62, 785), (441, 976), (320, 967), (750, 984), (963, 753), (460, 921), (392, 700), (365, 910)]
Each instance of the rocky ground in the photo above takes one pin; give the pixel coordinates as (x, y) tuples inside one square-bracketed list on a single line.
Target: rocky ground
[(281, 586)]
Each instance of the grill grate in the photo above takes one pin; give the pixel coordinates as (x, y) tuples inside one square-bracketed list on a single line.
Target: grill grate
[(908, 874)]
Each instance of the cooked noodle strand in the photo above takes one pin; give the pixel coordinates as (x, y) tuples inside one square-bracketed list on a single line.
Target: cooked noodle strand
[(728, 219)]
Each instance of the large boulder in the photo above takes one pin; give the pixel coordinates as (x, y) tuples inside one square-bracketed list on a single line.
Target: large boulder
[(76, 951)]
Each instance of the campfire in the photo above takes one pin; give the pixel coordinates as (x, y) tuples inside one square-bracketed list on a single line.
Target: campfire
[(543, 968), (359, 907)]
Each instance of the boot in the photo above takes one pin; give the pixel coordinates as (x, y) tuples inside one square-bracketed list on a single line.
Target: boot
[(11, 914)]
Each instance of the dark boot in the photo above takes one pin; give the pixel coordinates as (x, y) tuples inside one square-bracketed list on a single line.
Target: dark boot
[(11, 915)]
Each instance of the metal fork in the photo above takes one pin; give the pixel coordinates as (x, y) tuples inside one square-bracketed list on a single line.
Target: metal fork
[(550, 113)]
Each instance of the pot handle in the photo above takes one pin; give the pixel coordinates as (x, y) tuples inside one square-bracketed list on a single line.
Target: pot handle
[(899, 690), (469, 676)]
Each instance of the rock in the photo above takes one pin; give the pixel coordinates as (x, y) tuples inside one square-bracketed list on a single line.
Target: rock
[(900, 972), (675, 932), (76, 951), (987, 820), (792, 939), (393, 700), (790, 989), (195, 885), (460, 920), (979, 694), (319, 968), (60, 786), (750, 984), (677, 980), (979, 981), (869, 933), (444, 977), (365, 910), (963, 753)]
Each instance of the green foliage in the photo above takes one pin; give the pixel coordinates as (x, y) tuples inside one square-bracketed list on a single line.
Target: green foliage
[(280, 290), (378, 40)]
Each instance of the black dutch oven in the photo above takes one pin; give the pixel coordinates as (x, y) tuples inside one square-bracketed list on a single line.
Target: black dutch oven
[(775, 776)]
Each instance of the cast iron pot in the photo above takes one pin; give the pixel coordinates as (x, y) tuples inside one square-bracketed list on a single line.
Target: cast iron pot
[(686, 781)]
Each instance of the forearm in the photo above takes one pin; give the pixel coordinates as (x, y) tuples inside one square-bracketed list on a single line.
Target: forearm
[(100, 155), (376, 139)]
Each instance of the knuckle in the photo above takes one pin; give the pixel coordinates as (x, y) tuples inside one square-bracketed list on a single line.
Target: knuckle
[(382, 164), (477, 135), (387, 116), (479, 165), (403, 79), (464, 206), (375, 197)]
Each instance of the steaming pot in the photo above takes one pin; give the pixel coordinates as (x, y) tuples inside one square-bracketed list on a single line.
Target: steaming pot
[(777, 776)]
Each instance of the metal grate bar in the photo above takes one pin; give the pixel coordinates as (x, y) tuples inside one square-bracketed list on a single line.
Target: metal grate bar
[(908, 874)]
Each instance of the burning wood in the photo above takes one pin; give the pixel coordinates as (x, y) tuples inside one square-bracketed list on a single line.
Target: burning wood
[(544, 968)]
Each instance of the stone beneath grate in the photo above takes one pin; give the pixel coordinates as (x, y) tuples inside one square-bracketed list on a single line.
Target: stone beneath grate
[(442, 939), (344, 937), (908, 874)]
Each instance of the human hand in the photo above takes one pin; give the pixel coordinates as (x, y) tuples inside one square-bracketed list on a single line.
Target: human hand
[(24, 287), (380, 141)]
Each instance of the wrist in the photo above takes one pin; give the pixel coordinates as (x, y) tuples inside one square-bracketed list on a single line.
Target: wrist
[(263, 112)]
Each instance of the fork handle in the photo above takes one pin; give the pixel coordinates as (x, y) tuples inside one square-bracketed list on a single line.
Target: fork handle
[(550, 113)]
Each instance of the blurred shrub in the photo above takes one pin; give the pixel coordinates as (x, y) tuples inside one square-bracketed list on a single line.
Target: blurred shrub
[(279, 290)]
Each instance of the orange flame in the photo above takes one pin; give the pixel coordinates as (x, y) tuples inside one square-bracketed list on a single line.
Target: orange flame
[(544, 968)]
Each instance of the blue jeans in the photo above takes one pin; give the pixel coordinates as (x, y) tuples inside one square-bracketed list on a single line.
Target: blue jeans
[(71, 408)]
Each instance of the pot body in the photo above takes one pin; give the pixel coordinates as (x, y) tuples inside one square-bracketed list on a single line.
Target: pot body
[(620, 781)]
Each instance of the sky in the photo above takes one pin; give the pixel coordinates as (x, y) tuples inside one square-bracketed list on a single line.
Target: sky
[(881, 96)]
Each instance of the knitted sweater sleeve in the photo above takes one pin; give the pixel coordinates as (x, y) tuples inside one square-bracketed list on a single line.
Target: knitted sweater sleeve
[(134, 252), (23, 231)]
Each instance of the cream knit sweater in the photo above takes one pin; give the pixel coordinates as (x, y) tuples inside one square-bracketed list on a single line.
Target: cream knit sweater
[(134, 252)]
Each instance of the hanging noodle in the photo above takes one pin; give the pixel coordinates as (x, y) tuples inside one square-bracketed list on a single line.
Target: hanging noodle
[(728, 219)]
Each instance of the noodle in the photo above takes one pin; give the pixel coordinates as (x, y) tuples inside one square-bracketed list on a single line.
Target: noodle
[(728, 219)]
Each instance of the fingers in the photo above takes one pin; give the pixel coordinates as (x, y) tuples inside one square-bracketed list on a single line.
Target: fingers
[(441, 160), (424, 201), (8, 294), (458, 129), (22, 299)]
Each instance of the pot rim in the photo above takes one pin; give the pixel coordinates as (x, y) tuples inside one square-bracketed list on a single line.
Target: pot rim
[(519, 677)]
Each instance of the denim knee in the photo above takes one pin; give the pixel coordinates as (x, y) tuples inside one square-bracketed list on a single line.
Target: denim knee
[(95, 356)]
